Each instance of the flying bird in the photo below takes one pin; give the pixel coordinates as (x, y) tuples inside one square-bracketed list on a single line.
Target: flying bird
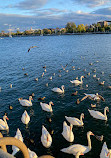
[(31, 47)]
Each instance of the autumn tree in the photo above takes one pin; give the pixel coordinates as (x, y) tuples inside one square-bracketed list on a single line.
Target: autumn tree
[(71, 27), (81, 28)]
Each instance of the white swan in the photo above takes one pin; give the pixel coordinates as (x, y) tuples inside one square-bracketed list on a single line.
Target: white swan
[(74, 149), (19, 137), (46, 138), (32, 154), (25, 102), (47, 107), (25, 117), (67, 132), (99, 115), (3, 124), (58, 90), (93, 97), (75, 121), (105, 152), (77, 81)]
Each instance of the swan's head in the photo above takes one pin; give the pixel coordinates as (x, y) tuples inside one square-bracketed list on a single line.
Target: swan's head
[(107, 108), (30, 97), (25, 113), (19, 99), (62, 87), (97, 94), (82, 76), (5, 117), (51, 103), (90, 133), (82, 115)]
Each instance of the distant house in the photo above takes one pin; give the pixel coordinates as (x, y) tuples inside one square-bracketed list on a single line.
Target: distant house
[(103, 23)]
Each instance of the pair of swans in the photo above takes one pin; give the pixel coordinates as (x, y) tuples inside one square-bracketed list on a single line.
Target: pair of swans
[(46, 138), (99, 115), (25, 118), (3, 123), (77, 81), (47, 107), (105, 152), (93, 97), (75, 121), (58, 90), (25, 102), (78, 148), (67, 132)]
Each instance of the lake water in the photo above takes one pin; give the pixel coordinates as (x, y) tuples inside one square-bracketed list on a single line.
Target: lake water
[(52, 51)]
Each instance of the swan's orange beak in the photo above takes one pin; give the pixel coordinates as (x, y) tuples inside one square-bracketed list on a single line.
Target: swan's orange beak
[(7, 118), (107, 110), (108, 154), (82, 154), (52, 103), (31, 98), (92, 134)]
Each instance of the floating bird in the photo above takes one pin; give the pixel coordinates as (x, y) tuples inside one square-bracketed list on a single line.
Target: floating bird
[(97, 79), (93, 97), (46, 138), (90, 63), (73, 67), (32, 94), (58, 90), (101, 83), (3, 123), (75, 93), (75, 121), (50, 78), (47, 107), (77, 81), (105, 152), (87, 85), (10, 107), (19, 137), (42, 74), (74, 149), (45, 70), (25, 117), (78, 68), (64, 67), (93, 106), (77, 101), (102, 72), (41, 98), (32, 154), (31, 47), (67, 132), (23, 68), (94, 76), (109, 87), (46, 84), (53, 74), (26, 74), (88, 74), (99, 115), (67, 70), (59, 75), (25, 102), (10, 85), (49, 119), (36, 79), (44, 67)]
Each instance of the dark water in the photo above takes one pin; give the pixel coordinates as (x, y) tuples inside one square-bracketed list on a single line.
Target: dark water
[(52, 52)]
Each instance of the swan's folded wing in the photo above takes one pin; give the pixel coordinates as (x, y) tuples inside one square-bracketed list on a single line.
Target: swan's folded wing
[(101, 98), (85, 97), (2, 123), (96, 114)]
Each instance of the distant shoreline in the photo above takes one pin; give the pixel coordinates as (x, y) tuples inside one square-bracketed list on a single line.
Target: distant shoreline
[(85, 33)]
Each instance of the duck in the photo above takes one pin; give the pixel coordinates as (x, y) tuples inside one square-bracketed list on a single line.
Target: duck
[(75, 93), (74, 149), (105, 152), (3, 123), (41, 98), (25, 117), (99, 115), (67, 132), (46, 84), (44, 67), (75, 121), (50, 78), (46, 138), (88, 73), (36, 79), (59, 75), (47, 107), (32, 154), (10, 85), (93, 97), (77, 81), (19, 137), (102, 83), (58, 90), (25, 102), (53, 74), (94, 76), (45, 70), (10, 107), (42, 74), (77, 101), (98, 79), (26, 74)]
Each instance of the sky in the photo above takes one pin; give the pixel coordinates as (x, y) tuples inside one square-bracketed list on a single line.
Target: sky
[(39, 14)]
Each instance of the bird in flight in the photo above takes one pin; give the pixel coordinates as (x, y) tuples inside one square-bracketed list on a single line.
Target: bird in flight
[(31, 47)]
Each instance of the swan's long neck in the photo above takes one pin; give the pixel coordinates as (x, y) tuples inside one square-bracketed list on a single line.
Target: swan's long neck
[(81, 79), (81, 117), (105, 112), (29, 99), (5, 123), (62, 89), (89, 141)]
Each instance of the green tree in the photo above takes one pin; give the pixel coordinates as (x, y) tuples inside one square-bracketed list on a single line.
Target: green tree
[(81, 28), (71, 27)]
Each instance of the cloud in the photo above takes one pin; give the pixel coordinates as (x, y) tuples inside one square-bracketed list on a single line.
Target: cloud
[(30, 4), (104, 11), (92, 3)]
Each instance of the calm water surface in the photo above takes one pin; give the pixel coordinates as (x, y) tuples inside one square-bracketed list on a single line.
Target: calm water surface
[(53, 51)]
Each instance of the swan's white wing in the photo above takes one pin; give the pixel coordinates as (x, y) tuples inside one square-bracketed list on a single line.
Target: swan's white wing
[(57, 90), (96, 114), (2, 123), (104, 151)]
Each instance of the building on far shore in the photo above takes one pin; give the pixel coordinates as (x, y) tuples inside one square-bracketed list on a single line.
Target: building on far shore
[(103, 23)]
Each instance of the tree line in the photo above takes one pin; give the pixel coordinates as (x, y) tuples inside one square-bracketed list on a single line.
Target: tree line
[(69, 29)]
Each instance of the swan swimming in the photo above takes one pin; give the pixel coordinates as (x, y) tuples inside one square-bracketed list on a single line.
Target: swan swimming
[(58, 90)]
